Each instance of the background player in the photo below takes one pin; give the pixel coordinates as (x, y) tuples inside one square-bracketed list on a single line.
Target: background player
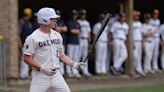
[(84, 38), (25, 30), (101, 47), (119, 32), (42, 51), (148, 34), (155, 22), (162, 45), (137, 39), (72, 39)]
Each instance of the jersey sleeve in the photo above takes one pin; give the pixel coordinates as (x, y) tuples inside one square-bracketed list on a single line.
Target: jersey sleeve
[(89, 27), (29, 46), (112, 29), (127, 29), (95, 29), (161, 29)]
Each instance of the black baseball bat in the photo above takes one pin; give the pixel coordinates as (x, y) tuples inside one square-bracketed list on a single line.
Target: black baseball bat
[(104, 24)]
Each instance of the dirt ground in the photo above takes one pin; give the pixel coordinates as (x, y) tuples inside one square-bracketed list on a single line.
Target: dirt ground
[(107, 81)]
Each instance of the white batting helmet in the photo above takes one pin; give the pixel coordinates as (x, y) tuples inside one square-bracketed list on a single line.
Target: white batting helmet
[(45, 14)]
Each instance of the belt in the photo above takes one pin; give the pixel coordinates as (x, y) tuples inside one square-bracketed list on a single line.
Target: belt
[(103, 41), (55, 69), (120, 39), (148, 41), (137, 41), (84, 38)]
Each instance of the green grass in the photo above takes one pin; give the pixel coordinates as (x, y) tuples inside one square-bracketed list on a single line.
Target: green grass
[(152, 88), (5, 91)]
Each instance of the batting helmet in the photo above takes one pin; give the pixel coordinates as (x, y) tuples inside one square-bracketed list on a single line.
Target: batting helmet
[(45, 14)]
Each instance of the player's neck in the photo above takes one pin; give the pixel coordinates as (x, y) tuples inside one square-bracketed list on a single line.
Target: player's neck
[(45, 29)]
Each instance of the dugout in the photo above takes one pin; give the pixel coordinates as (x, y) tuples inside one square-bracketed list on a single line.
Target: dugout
[(11, 11)]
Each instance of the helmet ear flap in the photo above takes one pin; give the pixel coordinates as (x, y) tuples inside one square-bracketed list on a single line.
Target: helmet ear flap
[(44, 21)]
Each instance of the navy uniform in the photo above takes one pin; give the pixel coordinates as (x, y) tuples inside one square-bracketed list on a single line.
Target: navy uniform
[(72, 39)]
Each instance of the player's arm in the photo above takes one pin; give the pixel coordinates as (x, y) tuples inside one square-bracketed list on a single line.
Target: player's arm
[(29, 50), (66, 59), (69, 62), (31, 62), (75, 31)]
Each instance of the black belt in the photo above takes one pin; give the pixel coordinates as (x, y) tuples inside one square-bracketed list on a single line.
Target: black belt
[(148, 41)]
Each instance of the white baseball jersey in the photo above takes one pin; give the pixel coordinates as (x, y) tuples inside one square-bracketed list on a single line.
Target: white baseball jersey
[(85, 28), (148, 28), (119, 30), (137, 31), (104, 35), (162, 31), (155, 23), (44, 47)]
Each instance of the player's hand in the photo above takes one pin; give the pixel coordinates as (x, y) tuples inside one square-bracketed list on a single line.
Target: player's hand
[(47, 71), (80, 65)]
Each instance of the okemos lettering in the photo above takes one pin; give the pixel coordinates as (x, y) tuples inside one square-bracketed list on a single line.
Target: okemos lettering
[(49, 42)]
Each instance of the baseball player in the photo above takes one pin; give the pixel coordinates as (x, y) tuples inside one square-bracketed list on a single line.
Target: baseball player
[(101, 47), (119, 30), (72, 39), (84, 37), (155, 22), (25, 30), (162, 45), (148, 34), (137, 39), (42, 51)]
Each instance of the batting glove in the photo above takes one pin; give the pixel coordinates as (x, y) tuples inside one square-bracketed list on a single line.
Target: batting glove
[(47, 71), (80, 65)]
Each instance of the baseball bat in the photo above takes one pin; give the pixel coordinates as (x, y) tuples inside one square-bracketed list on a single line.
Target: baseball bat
[(105, 21)]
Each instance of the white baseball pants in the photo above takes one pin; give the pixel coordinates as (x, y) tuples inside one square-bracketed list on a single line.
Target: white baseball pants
[(148, 49), (83, 51), (101, 57), (137, 51), (120, 53), (24, 68), (41, 82), (162, 58), (73, 53), (155, 53)]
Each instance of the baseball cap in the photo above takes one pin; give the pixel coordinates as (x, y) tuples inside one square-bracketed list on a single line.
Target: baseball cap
[(27, 11)]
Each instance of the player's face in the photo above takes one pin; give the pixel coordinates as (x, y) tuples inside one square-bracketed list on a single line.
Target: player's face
[(53, 23), (155, 16), (123, 19)]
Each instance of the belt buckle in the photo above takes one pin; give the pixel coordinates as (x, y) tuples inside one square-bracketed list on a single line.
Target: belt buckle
[(54, 69)]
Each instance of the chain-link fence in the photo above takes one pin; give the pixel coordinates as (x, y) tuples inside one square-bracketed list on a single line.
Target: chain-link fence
[(3, 78)]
